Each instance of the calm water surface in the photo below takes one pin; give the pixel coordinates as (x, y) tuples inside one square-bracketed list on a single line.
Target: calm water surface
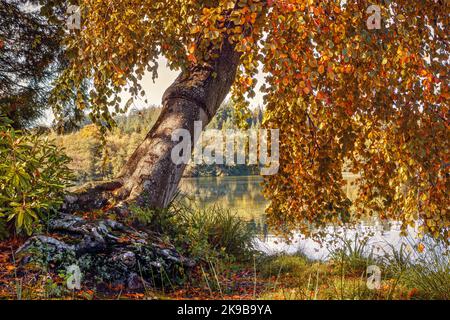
[(243, 195)]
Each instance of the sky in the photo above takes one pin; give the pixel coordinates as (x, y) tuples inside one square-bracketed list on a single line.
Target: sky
[(155, 90)]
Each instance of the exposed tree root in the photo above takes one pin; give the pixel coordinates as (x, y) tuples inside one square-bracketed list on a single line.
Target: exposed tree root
[(92, 196), (106, 251)]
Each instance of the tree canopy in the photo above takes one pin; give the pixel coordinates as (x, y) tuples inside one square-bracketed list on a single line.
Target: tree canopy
[(30, 56), (340, 92)]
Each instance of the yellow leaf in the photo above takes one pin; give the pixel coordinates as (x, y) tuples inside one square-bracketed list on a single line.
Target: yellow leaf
[(420, 247)]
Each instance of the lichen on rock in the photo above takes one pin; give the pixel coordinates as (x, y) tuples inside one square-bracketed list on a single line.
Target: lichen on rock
[(106, 251)]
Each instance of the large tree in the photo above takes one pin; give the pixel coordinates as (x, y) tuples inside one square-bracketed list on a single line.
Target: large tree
[(340, 90), (29, 49)]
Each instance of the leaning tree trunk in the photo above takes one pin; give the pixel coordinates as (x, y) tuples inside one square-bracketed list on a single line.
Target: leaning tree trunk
[(108, 251), (150, 177)]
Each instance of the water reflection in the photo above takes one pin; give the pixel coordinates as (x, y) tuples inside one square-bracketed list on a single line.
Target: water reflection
[(240, 194), (243, 195)]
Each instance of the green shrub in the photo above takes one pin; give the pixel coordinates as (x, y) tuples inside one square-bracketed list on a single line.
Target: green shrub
[(201, 232), (352, 255), (285, 264), (33, 176), (222, 229), (3, 230), (429, 270), (396, 261)]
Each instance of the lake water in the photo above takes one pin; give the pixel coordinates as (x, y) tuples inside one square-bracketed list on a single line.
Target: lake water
[(239, 194), (243, 195)]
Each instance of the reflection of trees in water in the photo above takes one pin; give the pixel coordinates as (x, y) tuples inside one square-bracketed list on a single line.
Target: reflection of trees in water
[(260, 227), (243, 194), (232, 189), (242, 189), (240, 194)]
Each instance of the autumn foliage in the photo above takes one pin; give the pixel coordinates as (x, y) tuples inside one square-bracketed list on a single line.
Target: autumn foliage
[(375, 100)]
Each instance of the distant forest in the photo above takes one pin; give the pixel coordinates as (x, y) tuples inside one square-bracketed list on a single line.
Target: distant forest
[(92, 161)]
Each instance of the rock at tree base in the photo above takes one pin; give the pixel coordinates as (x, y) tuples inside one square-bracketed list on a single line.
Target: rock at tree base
[(106, 251)]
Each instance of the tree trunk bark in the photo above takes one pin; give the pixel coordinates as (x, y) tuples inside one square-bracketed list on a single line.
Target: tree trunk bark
[(150, 177)]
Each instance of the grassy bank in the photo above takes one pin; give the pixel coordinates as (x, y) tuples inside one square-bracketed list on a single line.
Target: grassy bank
[(228, 268), (344, 277)]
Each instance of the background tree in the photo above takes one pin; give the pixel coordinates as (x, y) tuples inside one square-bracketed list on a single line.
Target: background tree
[(377, 99), (28, 47), (31, 57)]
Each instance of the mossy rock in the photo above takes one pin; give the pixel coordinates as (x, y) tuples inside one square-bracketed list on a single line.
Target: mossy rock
[(106, 252)]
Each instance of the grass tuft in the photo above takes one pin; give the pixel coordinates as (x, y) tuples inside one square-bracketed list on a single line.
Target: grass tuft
[(205, 233)]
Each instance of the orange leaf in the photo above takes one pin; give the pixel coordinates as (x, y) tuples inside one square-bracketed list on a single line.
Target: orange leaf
[(321, 69)]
